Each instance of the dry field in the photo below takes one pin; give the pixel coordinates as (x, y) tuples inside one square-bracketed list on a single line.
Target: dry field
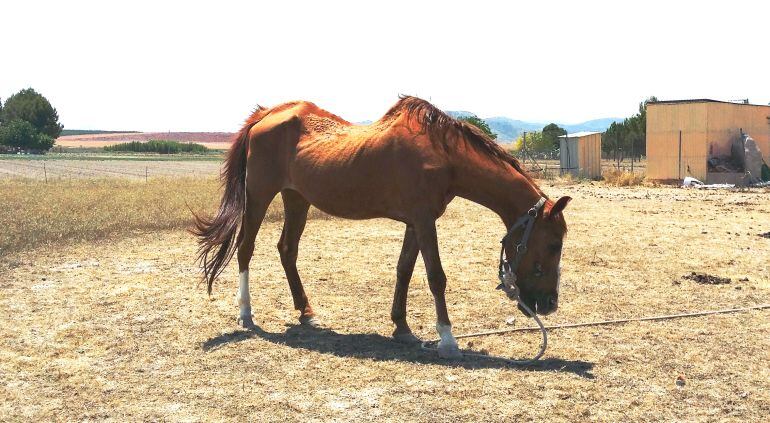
[(213, 140), (120, 329)]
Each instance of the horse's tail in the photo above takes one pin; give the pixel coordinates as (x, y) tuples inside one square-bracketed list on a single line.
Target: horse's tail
[(217, 235)]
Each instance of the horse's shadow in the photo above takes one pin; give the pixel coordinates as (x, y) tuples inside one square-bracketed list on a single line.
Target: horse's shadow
[(380, 348)]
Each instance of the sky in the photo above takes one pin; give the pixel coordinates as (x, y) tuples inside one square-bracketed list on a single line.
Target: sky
[(203, 66)]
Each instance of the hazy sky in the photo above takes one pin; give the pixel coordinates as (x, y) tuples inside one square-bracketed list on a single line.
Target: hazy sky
[(162, 65)]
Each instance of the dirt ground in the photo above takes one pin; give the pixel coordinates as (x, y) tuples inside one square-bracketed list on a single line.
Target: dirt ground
[(121, 329)]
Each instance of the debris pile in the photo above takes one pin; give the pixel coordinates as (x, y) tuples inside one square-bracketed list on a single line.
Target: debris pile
[(724, 165), (745, 158), (706, 279)]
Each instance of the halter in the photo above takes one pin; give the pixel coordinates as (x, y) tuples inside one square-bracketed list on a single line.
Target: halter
[(508, 267)]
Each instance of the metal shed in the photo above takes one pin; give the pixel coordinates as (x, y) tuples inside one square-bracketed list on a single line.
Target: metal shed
[(581, 154), (683, 136)]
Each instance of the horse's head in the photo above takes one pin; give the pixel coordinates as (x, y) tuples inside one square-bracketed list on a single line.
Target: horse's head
[(539, 263)]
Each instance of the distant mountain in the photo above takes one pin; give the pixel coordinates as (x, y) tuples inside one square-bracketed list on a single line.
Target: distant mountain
[(598, 125), (459, 113), (508, 129)]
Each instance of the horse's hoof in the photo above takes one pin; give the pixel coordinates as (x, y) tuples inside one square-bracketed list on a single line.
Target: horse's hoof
[(406, 338), (310, 321), (246, 322), (449, 351)]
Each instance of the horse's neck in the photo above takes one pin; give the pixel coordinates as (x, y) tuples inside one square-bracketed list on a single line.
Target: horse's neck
[(497, 187)]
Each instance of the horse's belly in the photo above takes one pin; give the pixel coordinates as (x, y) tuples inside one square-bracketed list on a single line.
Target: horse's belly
[(351, 199)]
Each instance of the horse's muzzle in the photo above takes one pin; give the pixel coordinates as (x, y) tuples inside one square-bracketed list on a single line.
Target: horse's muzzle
[(542, 305)]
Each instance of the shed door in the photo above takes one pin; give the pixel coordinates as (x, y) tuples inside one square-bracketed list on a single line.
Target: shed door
[(569, 155), (574, 156)]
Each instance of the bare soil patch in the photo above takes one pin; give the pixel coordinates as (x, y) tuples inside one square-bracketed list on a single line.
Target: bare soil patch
[(705, 278)]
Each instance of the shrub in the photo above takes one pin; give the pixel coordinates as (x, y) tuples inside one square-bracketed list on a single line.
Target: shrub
[(158, 146)]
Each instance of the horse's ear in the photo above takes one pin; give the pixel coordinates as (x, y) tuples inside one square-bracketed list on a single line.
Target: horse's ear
[(559, 206)]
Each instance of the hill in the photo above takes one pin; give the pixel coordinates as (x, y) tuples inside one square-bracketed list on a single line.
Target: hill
[(508, 129)]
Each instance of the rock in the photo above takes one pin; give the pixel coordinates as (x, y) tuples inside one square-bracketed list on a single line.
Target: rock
[(680, 380)]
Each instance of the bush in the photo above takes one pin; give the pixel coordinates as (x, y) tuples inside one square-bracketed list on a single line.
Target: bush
[(622, 178), (158, 146), (22, 135)]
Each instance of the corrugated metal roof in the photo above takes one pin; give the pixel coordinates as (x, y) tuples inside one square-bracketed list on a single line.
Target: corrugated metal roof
[(705, 100), (579, 134)]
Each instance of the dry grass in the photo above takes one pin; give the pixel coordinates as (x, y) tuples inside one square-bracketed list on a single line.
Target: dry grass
[(68, 211), (65, 211), (620, 178), (121, 329)]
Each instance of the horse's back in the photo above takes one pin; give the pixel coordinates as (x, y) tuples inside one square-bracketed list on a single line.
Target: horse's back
[(352, 171)]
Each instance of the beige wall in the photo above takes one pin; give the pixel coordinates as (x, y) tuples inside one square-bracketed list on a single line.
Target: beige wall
[(707, 128), (590, 156), (664, 122), (726, 120)]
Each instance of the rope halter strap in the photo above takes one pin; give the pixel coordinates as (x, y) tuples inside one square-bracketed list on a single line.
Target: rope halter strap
[(508, 266)]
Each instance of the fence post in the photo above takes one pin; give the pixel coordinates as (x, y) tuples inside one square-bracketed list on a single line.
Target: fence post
[(45, 173), (146, 171)]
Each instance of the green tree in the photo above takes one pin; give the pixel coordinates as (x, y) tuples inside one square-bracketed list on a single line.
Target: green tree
[(30, 106), (22, 135), (535, 143), (551, 134), (628, 138), (479, 123)]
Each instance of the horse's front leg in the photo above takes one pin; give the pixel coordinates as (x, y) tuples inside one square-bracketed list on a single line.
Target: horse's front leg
[(404, 270), (428, 242)]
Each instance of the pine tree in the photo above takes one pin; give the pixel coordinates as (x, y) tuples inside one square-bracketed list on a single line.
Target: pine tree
[(28, 105)]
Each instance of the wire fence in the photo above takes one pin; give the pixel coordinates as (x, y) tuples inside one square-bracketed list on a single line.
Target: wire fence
[(549, 169), (48, 170)]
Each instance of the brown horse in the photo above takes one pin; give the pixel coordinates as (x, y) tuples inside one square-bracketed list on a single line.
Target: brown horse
[(406, 166)]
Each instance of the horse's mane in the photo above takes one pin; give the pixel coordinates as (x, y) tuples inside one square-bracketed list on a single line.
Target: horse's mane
[(439, 126)]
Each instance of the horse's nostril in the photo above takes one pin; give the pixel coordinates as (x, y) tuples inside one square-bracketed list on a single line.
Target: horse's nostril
[(553, 301)]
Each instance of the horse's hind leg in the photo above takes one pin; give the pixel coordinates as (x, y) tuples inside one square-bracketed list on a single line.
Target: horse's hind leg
[(295, 216), (404, 270), (256, 206)]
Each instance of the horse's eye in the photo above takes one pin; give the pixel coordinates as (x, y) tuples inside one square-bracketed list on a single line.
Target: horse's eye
[(555, 248)]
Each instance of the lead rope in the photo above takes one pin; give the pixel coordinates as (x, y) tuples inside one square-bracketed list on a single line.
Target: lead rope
[(582, 324)]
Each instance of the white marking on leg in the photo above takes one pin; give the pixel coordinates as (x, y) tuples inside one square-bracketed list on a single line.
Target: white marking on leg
[(445, 333), (447, 346), (243, 298)]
